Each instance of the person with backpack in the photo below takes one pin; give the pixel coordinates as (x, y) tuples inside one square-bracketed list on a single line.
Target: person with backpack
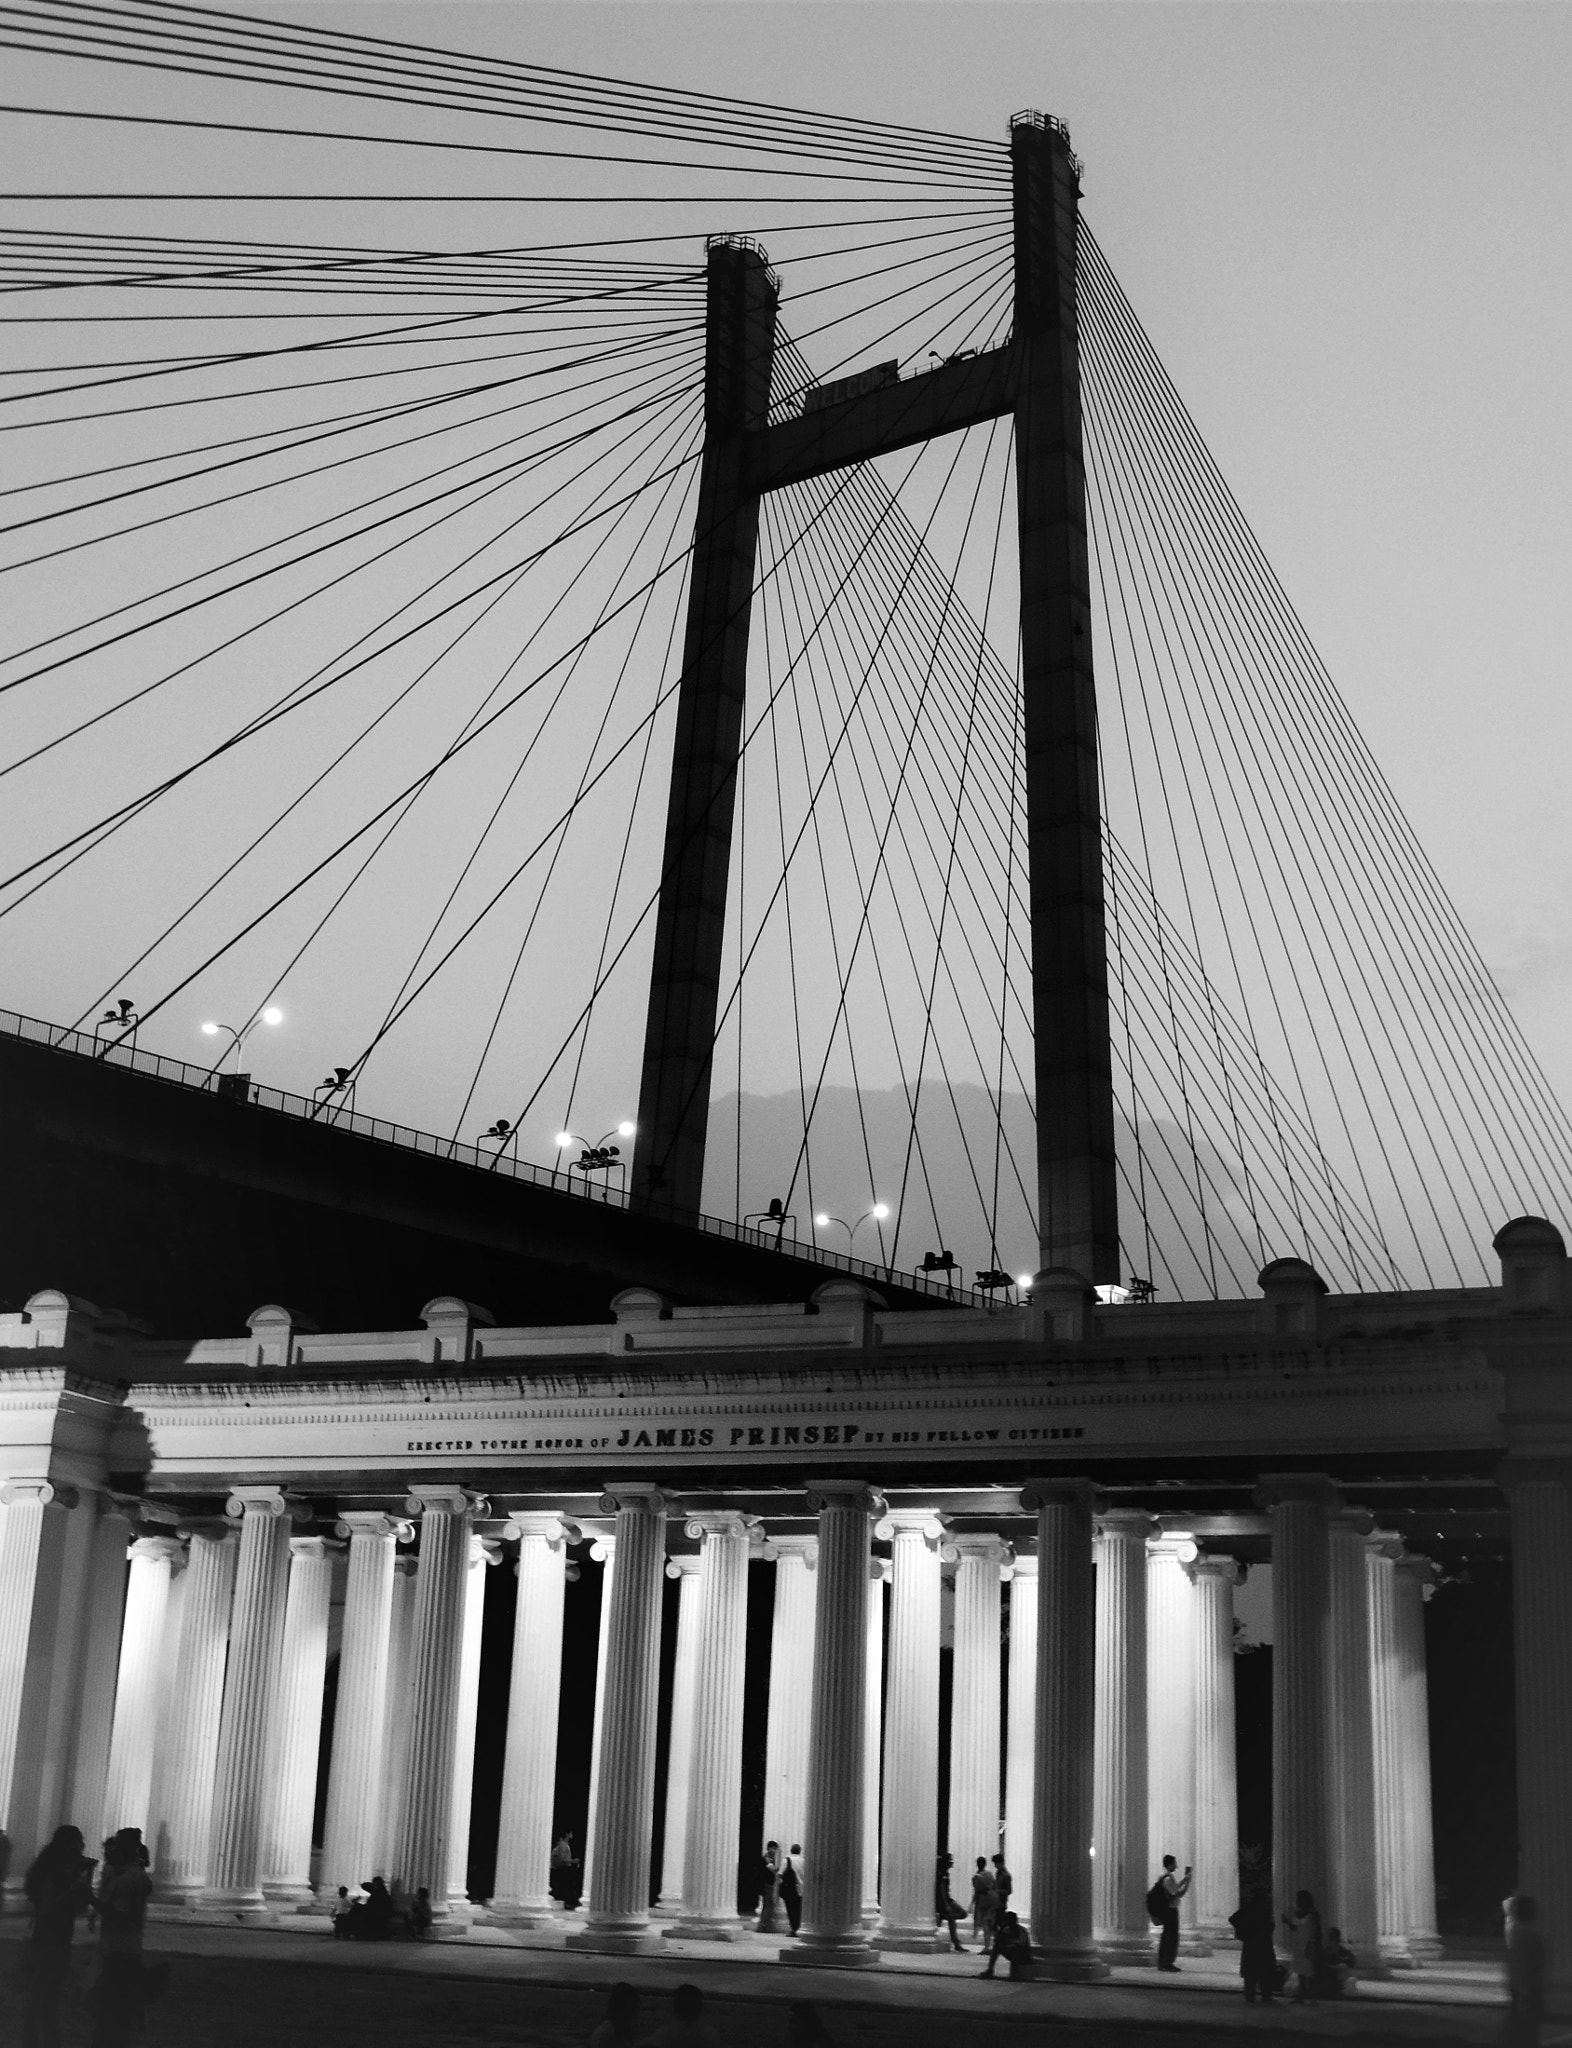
[(1162, 1904)]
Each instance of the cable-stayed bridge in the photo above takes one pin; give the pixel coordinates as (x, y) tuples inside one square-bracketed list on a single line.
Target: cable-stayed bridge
[(742, 638)]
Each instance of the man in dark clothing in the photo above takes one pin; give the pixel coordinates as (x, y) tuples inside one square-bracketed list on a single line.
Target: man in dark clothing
[(791, 1887), (1010, 1940), (1255, 1927), (59, 1888), (1169, 1890)]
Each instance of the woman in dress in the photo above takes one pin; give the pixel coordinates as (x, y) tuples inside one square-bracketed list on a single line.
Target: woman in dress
[(985, 1903), (769, 1888)]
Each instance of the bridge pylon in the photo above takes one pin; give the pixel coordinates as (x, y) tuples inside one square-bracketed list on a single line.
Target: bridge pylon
[(1033, 378)]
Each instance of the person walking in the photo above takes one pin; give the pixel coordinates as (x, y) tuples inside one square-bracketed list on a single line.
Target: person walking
[(59, 1888), (984, 1903), (1304, 1945), (1525, 1974), (122, 1896), (769, 1889), (1011, 1941), (1165, 1895), (791, 1883), (945, 1909), (1255, 1928), (1003, 1885)]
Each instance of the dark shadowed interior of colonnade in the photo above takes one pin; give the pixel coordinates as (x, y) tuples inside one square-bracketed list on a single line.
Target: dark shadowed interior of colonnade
[(1468, 1636)]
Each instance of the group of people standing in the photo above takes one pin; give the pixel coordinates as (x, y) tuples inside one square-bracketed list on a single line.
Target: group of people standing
[(780, 1888), (60, 1889)]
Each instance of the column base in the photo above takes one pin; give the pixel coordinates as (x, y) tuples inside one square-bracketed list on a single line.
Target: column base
[(911, 1941), (830, 1952), (707, 1930), (523, 1912), (1071, 1965), (290, 1898), (1426, 1948), (248, 1905), (1124, 1945), (619, 1939)]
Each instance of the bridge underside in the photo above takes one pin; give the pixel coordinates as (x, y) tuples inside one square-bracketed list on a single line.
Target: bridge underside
[(182, 1209)]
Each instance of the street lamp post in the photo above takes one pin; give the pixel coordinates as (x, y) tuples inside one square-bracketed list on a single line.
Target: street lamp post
[(875, 1215), (601, 1156), (238, 1083)]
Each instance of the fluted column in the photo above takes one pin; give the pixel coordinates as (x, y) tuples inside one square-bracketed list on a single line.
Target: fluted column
[(791, 1689), (709, 1892), (1020, 1757), (436, 1650), (1413, 1578), (908, 1843), (128, 1797), (1119, 1773), (351, 1832), (1066, 1689), (604, 1552), (619, 1906), (31, 1829), (1216, 1766), (1301, 1692), (872, 1742), (102, 1627), (32, 1555), (679, 1748), (297, 1723), (397, 1723), (1170, 1713), (1386, 1745), (975, 1701), (481, 1555), (181, 1849), (1352, 1903), (255, 1641), (1542, 1653), (833, 1849), (529, 1771), (168, 1763)]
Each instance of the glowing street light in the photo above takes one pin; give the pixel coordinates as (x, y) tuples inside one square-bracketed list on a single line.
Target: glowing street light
[(601, 1156), (272, 1015), (825, 1221)]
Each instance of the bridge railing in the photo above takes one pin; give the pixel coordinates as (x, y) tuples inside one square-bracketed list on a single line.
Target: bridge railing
[(111, 1050)]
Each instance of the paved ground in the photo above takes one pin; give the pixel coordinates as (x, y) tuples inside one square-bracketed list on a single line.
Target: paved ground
[(276, 1987)]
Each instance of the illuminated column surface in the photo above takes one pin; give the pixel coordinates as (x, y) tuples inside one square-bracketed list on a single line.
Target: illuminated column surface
[(100, 1665), (679, 1751), (1352, 1904), (911, 1731), (791, 1688), (128, 1797), (1216, 1777), (255, 1642), (352, 1829), (1170, 1715), (481, 1555), (181, 1855), (529, 1772), (1020, 1778), (619, 1904), (833, 1848), (1066, 1691), (975, 1701), (709, 1889), (1413, 1579), (872, 1742), (436, 1651), (1119, 1775), (1301, 1693)]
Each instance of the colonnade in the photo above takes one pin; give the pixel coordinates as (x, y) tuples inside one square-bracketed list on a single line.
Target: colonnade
[(185, 1698)]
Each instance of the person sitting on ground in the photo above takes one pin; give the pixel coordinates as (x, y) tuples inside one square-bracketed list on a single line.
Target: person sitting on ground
[(804, 2028), (1255, 1927), (341, 1911), (420, 1914), (375, 1922), (1337, 1965), (687, 2027), (1011, 1941), (945, 1911), (622, 2016)]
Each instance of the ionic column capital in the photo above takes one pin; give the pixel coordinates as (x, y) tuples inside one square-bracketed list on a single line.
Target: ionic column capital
[(161, 1548), (1130, 1524), (1173, 1545), (312, 1546), (1423, 1569), (1351, 1521), (634, 1497), (446, 1500), (1385, 1543), (720, 1522), (42, 1492), (804, 1547), (687, 1566), (1297, 1489), (1038, 1494), (849, 1496), (255, 1500), (371, 1522), (548, 1527), (1024, 1565), (1206, 1566), (924, 1522), (986, 1548)]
